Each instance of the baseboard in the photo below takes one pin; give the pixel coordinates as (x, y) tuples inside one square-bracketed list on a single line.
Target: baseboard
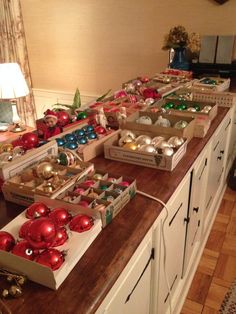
[(45, 99)]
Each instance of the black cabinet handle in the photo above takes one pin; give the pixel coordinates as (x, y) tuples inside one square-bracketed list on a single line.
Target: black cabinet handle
[(152, 256), (196, 209), (228, 124), (187, 219), (219, 157), (222, 152)]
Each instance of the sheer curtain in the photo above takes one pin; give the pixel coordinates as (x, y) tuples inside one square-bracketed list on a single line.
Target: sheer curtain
[(13, 49)]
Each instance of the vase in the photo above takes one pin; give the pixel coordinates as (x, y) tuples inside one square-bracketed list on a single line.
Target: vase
[(180, 60)]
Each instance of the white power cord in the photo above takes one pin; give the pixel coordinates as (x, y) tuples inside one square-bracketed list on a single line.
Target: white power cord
[(163, 240)]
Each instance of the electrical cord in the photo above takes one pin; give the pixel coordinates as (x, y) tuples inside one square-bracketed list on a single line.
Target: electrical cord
[(163, 240)]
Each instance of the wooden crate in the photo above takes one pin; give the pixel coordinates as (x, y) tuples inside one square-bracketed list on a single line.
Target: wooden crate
[(221, 86)]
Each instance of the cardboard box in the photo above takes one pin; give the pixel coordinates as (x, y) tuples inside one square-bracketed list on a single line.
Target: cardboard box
[(187, 132), (111, 208), (177, 72), (24, 193), (11, 168), (76, 246), (157, 161), (222, 84)]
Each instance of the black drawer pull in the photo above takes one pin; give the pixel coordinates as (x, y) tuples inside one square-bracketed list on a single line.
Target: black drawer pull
[(152, 256), (228, 124), (219, 157), (203, 169), (222, 152), (186, 219), (196, 209)]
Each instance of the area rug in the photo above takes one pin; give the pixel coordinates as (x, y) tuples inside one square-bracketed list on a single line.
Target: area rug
[(228, 306)]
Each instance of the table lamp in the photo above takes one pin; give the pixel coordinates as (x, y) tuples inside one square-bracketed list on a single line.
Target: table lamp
[(12, 86)]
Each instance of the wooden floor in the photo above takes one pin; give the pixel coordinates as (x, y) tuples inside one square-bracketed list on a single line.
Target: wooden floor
[(217, 267)]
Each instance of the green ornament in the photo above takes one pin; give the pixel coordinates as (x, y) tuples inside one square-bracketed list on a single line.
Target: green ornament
[(82, 115), (197, 107), (181, 107), (168, 105)]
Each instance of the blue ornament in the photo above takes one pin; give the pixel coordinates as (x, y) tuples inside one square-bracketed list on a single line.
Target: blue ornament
[(70, 137), (79, 133), (82, 140), (92, 136), (71, 145), (89, 128), (60, 141)]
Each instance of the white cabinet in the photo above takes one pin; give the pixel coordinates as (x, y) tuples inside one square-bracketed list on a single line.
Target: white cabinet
[(172, 247), (131, 293), (232, 141)]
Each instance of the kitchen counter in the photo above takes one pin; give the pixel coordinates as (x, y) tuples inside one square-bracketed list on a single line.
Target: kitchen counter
[(94, 275)]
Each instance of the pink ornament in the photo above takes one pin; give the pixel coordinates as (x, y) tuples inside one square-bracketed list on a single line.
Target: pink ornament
[(144, 79), (6, 241), (51, 258), (79, 191), (24, 229), (120, 94), (83, 203), (124, 183), (81, 223), (100, 130), (41, 233), (24, 249), (36, 210), (113, 180), (60, 216), (89, 183), (133, 98), (60, 238)]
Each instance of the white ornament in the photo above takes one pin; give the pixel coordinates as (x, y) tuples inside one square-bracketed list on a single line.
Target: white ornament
[(101, 118)]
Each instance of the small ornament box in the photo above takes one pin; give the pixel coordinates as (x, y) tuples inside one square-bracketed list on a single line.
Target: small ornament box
[(74, 247), (10, 167), (213, 83), (177, 72), (156, 159), (99, 194), (204, 112), (23, 187), (132, 122)]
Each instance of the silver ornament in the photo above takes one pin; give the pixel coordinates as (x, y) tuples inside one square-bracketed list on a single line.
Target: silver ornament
[(175, 141), (204, 110), (143, 139), (157, 140), (168, 151), (137, 83), (181, 124), (144, 120), (163, 144), (124, 139), (149, 101), (148, 149), (207, 108), (130, 88), (191, 109), (163, 122), (127, 133)]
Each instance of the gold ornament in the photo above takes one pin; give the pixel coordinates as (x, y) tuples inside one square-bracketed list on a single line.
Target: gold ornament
[(131, 145), (143, 140), (15, 291), (125, 139), (93, 194), (148, 148), (21, 280), (6, 148), (45, 170), (5, 293)]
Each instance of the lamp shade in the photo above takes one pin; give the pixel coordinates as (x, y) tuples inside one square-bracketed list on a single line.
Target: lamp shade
[(12, 81)]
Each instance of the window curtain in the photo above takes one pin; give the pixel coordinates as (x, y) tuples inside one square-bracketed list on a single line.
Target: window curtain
[(13, 49)]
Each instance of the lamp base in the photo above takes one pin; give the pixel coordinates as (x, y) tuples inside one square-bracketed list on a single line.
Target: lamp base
[(17, 128)]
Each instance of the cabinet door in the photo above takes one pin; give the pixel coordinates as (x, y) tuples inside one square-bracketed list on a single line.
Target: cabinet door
[(172, 246), (196, 204), (133, 294), (232, 142)]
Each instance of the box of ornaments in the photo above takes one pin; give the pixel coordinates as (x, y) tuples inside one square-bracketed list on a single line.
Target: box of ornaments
[(97, 194), (48, 177), (44, 243), (161, 122), (203, 112), (87, 141), (145, 148), (23, 152), (213, 83)]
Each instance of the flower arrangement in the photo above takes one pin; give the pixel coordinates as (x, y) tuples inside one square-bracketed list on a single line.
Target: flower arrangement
[(178, 37)]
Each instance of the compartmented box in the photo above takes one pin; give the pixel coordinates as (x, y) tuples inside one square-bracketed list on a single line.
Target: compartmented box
[(104, 197), (75, 247), (22, 188), (146, 159), (9, 169), (177, 72), (213, 83), (187, 132)]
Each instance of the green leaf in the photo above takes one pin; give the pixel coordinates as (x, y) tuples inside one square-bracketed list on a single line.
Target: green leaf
[(76, 100), (103, 96)]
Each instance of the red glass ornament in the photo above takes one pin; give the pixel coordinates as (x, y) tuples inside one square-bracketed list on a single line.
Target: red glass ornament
[(120, 94), (60, 238), (24, 249), (144, 79), (24, 229), (17, 142), (63, 118), (81, 223), (79, 191), (6, 241), (60, 216), (89, 183), (29, 140), (83, 203), (37, 210), (100, 130), (52, 258), (41, 233), (124, 183)]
